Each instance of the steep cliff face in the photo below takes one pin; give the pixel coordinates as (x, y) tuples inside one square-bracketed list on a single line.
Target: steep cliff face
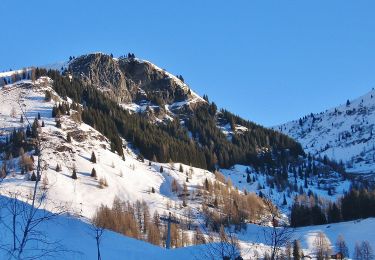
[(137, 84), (153, 81), (101, 71)]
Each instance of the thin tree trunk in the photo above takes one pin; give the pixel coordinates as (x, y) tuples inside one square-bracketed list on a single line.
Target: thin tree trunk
[(32, 209), (98, 244)]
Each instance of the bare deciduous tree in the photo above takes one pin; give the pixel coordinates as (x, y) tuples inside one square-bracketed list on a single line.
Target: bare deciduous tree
[(322, 246), (278, 235), (98, 235), (341, 246), (366, 251), (225, 245), (357, 252), (28, 213)]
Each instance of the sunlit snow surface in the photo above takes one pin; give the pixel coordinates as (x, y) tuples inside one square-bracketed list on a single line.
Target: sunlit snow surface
[(345, 133), (130, 180)]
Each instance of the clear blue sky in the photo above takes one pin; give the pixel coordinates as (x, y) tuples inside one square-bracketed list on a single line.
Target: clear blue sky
[(268, 61)]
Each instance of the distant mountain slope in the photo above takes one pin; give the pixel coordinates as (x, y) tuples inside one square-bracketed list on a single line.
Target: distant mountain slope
[(13, 76), (345, 133)]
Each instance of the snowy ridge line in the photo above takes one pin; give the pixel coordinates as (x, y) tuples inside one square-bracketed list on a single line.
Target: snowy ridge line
[(345, 133)]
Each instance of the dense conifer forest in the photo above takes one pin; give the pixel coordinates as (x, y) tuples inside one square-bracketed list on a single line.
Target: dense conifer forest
[(356, 204), (171, 141)]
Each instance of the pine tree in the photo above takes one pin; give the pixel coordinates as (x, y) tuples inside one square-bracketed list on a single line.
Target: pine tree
[(333, 214), (93, 158), (161, 169), (206, 185), (58, 168), (21, 119), (74, 175), (93, 173), (248, 178), (33, 177), (38, 116), (68, 138), (43, 125), (58, 123), (186, 193), (181, 168), (28, 131)]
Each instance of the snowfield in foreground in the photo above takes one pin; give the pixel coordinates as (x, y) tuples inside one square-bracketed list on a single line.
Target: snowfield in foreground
[(76, 241)]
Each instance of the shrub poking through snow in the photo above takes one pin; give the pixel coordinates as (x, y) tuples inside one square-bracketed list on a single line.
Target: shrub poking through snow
[(103, 183)]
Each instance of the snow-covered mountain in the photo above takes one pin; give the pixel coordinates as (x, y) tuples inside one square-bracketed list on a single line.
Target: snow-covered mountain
[(67, 145), (344, 133), (126, 177), (138, 85)]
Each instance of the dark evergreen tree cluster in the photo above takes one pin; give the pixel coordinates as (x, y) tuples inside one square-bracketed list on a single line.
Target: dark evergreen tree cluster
[(61, 109), (19, 138), (356, 204), (131, 55), (303, 215), (180, 78), (168, 142), (171, 141), (244, 147)]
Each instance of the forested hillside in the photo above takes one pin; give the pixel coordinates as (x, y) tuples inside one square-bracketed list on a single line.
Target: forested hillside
[(196, 140)]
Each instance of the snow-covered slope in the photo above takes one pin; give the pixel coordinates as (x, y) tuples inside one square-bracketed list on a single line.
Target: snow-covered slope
[(345, 133), (327, 187), (76, 240), (129, 179), (352, 231), (13, 76)]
